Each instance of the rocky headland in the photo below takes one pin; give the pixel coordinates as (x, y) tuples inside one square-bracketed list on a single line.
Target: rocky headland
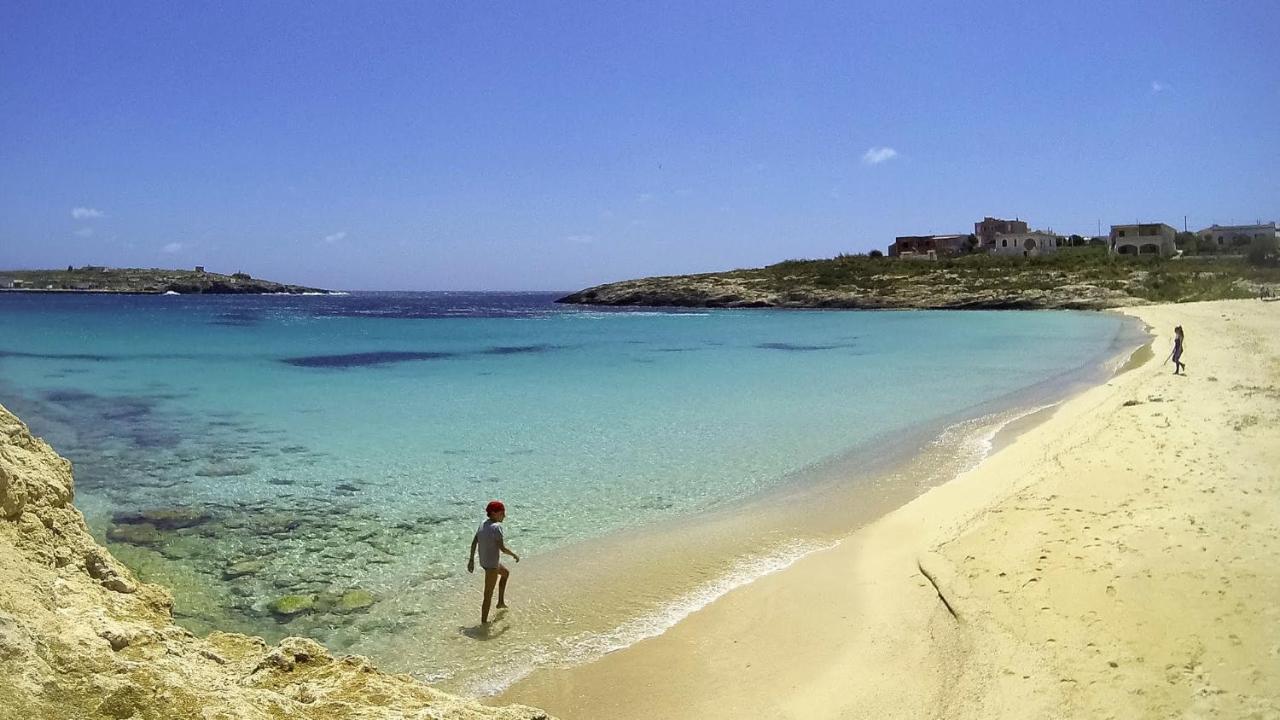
[(1075, 279), (81, 637), (146, 281)]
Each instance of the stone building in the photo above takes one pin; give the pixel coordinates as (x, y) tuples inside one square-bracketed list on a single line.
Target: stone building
[(1227, 236), (1026, 244), (990, 227), (1143, 239), (928, 245)]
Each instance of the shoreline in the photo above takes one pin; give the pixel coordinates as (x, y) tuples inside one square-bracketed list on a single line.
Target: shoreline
[(650, 583), (81, 637), (858, 630), (657, 593), (664, 600)]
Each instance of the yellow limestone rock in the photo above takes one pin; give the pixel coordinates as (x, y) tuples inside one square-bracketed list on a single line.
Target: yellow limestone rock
[(81, 638)]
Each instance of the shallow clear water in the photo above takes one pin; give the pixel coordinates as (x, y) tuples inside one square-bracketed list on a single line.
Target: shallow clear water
[(336, 443)]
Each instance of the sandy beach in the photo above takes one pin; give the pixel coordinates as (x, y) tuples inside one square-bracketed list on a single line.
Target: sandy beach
[(1120, 559)]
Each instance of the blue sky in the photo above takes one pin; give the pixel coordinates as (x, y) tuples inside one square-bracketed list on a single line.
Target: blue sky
[(542, 145)]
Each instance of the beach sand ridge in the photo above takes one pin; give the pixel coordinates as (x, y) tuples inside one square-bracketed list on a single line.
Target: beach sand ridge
[(1120, 559)]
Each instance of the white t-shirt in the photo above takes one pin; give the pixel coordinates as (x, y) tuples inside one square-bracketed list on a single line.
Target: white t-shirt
[(489, 542)]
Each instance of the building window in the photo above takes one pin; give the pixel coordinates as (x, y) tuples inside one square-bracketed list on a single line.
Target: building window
[(1121, 234), (1004, 243)]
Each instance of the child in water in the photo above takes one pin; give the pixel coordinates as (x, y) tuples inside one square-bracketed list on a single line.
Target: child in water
[(488, 540), (1178, 365)]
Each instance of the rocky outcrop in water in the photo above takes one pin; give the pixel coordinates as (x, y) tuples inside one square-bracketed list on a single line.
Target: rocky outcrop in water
[(81, 637), (148, 281), (716, 291)]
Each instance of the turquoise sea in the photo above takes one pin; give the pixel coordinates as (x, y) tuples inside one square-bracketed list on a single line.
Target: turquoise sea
[(339, 449)]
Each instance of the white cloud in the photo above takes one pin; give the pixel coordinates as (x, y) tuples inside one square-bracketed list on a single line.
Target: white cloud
[(85, 213), (1158, 87), (84, 232), (877, 155), (582, 239), (335, 237), (644, 197), (172, 247)]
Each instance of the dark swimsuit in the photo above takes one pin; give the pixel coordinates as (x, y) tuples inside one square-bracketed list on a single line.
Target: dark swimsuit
[(1177, 349)]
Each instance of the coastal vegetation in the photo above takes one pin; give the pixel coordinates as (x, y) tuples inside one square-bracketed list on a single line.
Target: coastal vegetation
[(92, 278), (1071, 278)]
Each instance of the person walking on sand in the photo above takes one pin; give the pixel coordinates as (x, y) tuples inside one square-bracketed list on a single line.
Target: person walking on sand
[(1176, 356), (488, 540)]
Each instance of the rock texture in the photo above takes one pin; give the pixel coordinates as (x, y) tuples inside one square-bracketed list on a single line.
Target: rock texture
[(149, 281), (1079, 281), (736, 292), (81, 638)]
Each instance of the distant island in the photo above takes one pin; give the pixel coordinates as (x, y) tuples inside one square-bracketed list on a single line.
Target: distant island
[(1083, 278), (96, 279)]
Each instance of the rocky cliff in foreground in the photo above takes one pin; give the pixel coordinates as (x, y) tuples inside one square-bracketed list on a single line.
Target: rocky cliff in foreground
[(81, 638), (1076, 279)]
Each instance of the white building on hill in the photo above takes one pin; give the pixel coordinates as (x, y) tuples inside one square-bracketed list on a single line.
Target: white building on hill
[(1143, 239), (1228, 236), (1027, 244)]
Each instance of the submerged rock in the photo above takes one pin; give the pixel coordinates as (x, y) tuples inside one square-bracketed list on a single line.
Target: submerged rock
[(291, 605), (354, 600), (243, 567), (143, 534), (175, 518), (80, 637), (171, 518), (276, 523)]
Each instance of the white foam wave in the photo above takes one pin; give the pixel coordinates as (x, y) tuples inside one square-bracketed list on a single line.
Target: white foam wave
[(969, 441), (308, 294), (588, 315), (973, 440), (585, 647)]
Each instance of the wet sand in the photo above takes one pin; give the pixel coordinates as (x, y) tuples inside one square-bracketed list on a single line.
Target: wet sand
[(1120, 559), (592, 598)]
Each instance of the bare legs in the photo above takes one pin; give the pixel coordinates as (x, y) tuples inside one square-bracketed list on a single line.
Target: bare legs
[(494, 577), (503, 574)]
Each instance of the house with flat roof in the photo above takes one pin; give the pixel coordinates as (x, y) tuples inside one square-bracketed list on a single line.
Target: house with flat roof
[(1036, 242), (1228, 236), (988, 228), (928, 245), (1143, 239)]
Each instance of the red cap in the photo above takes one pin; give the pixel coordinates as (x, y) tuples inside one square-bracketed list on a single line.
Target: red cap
[(494, 507)]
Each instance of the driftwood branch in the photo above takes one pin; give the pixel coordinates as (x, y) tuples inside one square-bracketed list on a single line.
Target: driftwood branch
[(945, 603)]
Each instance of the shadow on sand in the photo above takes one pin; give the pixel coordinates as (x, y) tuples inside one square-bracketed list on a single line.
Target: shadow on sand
[(486, 631)]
